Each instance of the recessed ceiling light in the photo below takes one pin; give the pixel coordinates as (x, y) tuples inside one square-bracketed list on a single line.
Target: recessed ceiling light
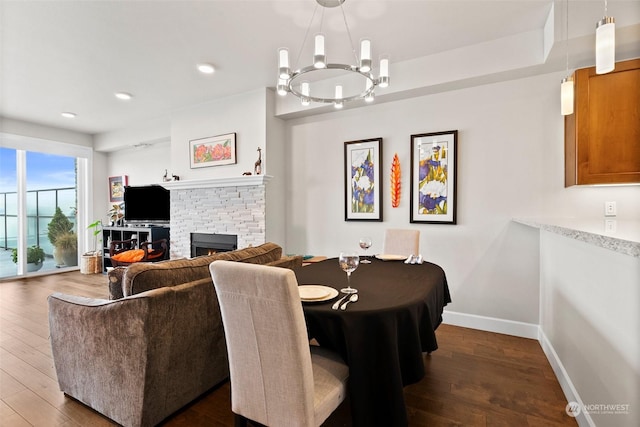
[(206, 68), (68, 114), (123, 96)]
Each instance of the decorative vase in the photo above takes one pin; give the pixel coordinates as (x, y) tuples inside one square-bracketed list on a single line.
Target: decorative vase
[(70, 258), (33, 266), (57, 256)]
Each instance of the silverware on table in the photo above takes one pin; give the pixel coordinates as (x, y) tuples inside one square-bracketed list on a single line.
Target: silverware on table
[(352, 298), (414, 259), (340, 301)]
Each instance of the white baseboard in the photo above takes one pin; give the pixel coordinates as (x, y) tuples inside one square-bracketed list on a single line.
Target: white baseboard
[(570, 392), (491, 324), (524, 330)]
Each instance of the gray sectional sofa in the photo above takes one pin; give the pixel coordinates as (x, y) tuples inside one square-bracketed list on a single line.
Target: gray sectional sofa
[(155, 346)]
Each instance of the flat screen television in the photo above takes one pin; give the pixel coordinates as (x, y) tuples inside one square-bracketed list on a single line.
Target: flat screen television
[(147, 205)]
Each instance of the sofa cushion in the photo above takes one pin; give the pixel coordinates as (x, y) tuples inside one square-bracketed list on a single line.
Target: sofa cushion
[(291, 262), (116, 276), (262, 254), (142, 277), (142, 358)]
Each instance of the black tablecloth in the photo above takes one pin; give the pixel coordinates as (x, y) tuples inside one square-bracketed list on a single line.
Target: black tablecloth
[(383, 335)]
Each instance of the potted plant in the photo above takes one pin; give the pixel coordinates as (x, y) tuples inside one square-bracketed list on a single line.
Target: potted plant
[(59, 225), (35, 257), (67, 244), (91, 261), (116, 214), (96, 229)]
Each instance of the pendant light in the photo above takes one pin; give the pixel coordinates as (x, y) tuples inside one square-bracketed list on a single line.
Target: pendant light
[(566, 87), (605, 43)]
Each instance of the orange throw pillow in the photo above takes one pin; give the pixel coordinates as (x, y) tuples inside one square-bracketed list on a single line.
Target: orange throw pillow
[(134, 255), (153, 254)]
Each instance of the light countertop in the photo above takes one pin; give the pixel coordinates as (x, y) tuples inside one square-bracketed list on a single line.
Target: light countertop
[(619, 236)]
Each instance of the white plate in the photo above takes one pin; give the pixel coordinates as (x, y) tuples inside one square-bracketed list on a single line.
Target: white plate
[(390, 257), (312, 293)]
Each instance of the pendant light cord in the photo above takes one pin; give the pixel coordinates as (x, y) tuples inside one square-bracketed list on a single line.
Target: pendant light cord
[(566, 40), (306, 34), (353, 49)]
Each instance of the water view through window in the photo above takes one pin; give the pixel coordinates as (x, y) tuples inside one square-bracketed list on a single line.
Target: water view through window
[(50, 182)]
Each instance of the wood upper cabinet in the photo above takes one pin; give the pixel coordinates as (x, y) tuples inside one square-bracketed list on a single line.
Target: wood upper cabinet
[(602, 136)]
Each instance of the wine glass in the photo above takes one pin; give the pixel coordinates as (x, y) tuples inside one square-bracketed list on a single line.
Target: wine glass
[(365, 243), (349, 262)]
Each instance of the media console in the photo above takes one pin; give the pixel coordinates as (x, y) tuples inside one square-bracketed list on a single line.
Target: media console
[(142, 233)]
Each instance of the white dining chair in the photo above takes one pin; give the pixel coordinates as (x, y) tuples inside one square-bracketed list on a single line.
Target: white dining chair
[(277, 378), (401, 242)]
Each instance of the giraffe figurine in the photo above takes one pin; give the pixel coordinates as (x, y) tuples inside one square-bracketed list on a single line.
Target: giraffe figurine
[(258, 165)]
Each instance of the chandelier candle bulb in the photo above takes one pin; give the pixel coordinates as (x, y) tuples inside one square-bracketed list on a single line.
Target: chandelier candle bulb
[(566, 96), (370, 97), (338, 97), (281, 88), (605, 45), (365, 56), (319, 60), (283, 63), (384, 72), (304, 89)]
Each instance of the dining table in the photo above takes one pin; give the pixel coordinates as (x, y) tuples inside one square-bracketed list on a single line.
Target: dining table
[(384, 335)]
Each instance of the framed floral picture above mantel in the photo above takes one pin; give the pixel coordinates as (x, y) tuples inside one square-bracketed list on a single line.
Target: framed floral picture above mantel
[(433, 177), (213, 151), (363, 186)]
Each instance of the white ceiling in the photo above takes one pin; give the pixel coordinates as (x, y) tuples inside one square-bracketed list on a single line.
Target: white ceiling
[(73, 55)]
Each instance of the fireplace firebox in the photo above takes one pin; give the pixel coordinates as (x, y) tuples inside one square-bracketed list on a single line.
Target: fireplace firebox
[(211, 243)]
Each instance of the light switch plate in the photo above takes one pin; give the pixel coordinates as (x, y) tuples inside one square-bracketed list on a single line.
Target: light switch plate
[(610, 225)]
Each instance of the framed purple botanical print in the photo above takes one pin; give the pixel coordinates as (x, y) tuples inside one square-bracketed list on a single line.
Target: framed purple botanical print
[(433, 177), (363, 186)]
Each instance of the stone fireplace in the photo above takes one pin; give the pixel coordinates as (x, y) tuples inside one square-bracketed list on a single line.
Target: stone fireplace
[(229, 206)]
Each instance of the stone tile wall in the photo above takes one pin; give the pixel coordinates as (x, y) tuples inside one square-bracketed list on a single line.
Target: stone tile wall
[(238, 210)]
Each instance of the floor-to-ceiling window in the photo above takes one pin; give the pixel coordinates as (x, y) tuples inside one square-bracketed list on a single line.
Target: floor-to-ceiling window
[(41, 192)]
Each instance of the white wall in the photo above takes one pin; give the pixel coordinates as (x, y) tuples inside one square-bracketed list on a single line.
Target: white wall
[(275, 157), (142, 133), (50, 133), (143, 166), (244, 114), (510, 164), (250, 116), (590, 316)]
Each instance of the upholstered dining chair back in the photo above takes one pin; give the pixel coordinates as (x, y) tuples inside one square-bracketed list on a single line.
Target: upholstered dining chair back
[(277, 379), (401, 242)]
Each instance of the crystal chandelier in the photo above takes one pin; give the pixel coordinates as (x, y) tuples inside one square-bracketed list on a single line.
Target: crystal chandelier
[(331, 83)]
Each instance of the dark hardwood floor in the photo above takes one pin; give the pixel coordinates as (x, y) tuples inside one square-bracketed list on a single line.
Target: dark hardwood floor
[(475, 378)]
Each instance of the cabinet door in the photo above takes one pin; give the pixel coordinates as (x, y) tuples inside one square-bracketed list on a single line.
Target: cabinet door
[(602, 137)]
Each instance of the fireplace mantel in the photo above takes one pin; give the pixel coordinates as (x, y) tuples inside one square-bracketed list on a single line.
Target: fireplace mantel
[(234, 181)]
